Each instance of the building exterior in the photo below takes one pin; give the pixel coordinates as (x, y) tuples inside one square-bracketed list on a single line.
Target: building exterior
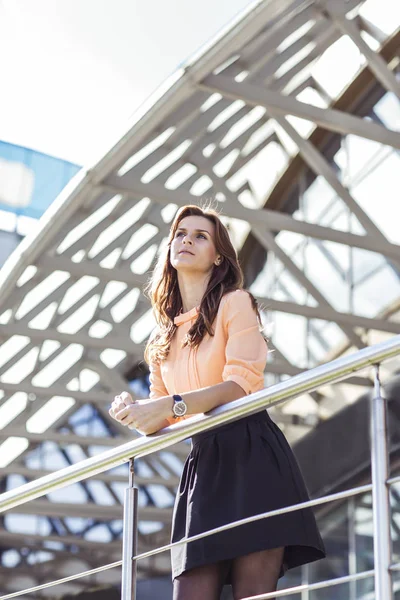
[(29, 183)]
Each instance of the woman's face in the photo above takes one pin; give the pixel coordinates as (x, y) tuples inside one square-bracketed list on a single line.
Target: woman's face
[(193, 247)]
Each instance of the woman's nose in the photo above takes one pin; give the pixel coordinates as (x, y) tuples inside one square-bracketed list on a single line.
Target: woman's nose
[(187, 240)]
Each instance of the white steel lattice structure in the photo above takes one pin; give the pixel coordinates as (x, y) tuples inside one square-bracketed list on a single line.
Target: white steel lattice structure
[(289, 121)]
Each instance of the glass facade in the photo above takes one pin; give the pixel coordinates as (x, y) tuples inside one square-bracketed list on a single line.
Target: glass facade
[(347, 531), (30, 181), (351, 279)]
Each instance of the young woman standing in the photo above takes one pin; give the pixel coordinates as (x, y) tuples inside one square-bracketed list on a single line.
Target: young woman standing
[(208, 350)]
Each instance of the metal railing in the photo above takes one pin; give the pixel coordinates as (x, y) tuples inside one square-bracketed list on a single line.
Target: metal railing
[(305, 382)]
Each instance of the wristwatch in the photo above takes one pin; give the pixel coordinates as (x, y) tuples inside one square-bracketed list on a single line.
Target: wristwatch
[(180, 407)]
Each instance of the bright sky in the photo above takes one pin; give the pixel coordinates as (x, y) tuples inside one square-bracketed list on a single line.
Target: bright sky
[(76, 70)]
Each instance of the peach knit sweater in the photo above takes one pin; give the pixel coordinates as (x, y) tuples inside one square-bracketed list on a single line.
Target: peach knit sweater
[(236, 352)]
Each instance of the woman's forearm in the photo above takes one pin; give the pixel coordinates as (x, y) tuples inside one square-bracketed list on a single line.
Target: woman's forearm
[(153, 414), (205, 399)]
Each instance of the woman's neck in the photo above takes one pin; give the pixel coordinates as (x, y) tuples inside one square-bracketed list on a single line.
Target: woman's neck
[(192, 288)]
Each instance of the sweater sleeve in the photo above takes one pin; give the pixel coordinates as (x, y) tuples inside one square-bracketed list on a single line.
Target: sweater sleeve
[(246, 350), (157, 386)]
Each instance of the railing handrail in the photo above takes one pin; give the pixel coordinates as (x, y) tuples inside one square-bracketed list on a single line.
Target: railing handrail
[(305, 382)]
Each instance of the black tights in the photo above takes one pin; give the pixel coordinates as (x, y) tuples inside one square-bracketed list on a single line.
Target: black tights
[(252, 574)]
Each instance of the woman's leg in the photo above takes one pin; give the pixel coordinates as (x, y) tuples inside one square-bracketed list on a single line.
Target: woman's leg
[(256, 573), (201, 583)]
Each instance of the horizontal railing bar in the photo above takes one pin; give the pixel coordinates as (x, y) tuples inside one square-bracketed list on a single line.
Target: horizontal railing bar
[(273, 513), (305, 382), (286, 592), (44, 586), (393, 480), (310, 587), (347, 493)]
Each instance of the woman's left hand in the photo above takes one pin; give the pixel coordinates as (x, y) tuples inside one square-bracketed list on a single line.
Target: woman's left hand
[(147, 416)]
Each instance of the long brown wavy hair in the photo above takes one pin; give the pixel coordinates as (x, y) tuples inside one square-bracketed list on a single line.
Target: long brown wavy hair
[(163, 288)]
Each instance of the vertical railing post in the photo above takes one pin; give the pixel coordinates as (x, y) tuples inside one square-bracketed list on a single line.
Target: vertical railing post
[(305, 580), (351, 518), (129, 544), (380, 492)]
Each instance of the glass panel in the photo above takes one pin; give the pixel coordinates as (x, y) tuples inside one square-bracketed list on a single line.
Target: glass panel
[(376, 293), (388, 110), (322, 273), (381, 184)]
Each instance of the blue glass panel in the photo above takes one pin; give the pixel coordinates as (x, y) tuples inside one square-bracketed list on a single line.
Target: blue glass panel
[(31, 180)]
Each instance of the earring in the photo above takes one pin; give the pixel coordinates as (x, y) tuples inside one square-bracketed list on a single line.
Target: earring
[(218, 261)]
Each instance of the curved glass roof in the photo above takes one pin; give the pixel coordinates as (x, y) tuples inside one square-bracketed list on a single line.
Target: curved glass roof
[(290, 120)]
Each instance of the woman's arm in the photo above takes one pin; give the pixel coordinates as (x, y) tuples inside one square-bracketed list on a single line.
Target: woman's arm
[(205, 399), (149, 416)]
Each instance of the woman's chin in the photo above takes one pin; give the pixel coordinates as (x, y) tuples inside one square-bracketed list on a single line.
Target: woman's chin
[(182, 264)]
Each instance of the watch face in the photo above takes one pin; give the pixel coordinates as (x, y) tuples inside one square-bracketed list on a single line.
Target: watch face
[(180, 409)]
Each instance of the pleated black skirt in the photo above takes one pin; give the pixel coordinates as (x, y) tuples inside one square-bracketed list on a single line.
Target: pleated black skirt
[(233, 472)]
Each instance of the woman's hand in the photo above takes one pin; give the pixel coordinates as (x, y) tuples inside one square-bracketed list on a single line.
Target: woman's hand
[(122, 401), (147, 416)]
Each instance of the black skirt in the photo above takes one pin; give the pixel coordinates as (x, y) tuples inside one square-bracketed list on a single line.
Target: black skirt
[(235, 471)]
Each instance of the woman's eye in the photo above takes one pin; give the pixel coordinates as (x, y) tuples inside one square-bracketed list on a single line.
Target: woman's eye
[(179, 233), (202, 235)]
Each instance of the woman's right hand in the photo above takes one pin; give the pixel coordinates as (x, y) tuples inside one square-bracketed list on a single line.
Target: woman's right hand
[(121, 401)]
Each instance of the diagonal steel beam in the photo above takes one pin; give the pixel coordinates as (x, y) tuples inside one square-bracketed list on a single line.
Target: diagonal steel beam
[(328, 118), (321, 166), (375, 62), (55, 296), (39, 335), (15, 357), (266, 238), (88, 267), (327, 313), (28, 539), (31, 474), (365, 25), (90, 510), (62, 439), (65, 439), (274, 220)]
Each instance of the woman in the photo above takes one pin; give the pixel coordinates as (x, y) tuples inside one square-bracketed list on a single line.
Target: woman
[(207, 351)]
